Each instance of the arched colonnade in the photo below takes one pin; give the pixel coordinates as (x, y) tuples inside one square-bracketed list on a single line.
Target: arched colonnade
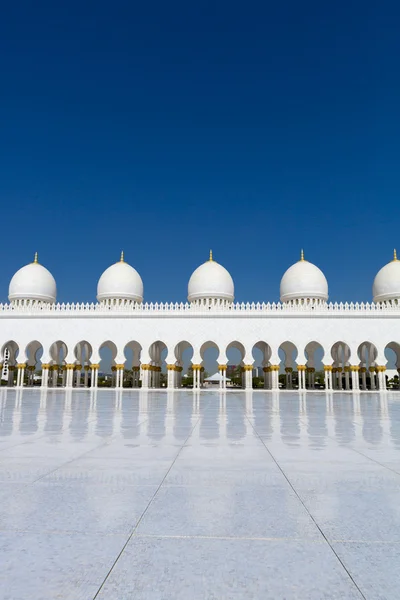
[(159, 364)]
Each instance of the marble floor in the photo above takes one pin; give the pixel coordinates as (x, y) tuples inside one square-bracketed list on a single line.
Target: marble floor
[(180, 496)]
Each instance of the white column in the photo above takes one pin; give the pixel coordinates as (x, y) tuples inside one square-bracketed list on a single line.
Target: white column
[(352, 378), (70, 375), (94, 375), (301, 369), (382, 378), (20, 374), (356, 380), (269, 378), (120, 376), (45, 375), (248, 369), (170, 376), (145, 377), (222, 372), (194, 376), (326, 377), (274, 375)]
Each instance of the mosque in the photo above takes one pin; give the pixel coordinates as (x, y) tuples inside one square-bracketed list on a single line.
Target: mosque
[(64, 341)]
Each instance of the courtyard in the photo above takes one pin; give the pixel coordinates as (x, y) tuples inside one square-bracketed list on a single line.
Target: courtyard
[(113, 495)]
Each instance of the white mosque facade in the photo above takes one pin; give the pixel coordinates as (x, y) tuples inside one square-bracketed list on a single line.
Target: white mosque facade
[(64, 341)]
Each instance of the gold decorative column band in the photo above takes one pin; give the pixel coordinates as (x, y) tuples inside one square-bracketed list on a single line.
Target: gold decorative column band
[(222, 367), (70, 366), (119, 367), (266, 369), (363, 369), (275, 367), (136, 368), (179, 369), (380, 369), (171, 367), (347, 369), (21, 365), (94, 366), (146, 367), (78, 367), (288, 370), (247, 367), (196, 367), (372, 369), (86, 367), (328, 368), (301, 367), (44, 366), (355, 368)]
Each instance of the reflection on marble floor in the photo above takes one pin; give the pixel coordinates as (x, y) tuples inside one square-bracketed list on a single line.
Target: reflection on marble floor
[(175, 495)]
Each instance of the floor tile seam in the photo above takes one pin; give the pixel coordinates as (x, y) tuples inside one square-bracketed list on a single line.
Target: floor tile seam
[(346, 570), (132, 533), (368, 457), (229, 538), (135, 535), (304, 540), (376, 462)]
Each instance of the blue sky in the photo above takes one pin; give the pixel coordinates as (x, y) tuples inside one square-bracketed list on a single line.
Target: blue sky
[(166, 129)]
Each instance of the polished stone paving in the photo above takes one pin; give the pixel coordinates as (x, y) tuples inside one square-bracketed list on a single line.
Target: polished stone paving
[(181, 496)]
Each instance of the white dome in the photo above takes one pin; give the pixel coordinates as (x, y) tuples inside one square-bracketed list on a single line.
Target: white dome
[(211, 281), (387, 282), (120, 282), (303, 280), (33, 282)]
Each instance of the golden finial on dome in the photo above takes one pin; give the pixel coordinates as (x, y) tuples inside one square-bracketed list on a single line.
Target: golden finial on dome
[(211, 258), (395, 255), (302, 255), (36, 259), (122, 257)]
